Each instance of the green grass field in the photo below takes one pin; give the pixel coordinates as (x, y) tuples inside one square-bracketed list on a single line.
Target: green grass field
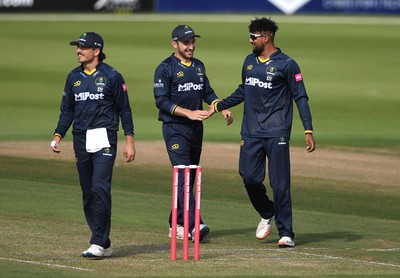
[(43, 228), (344, 226)]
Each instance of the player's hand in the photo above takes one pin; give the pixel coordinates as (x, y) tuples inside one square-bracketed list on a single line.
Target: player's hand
[(198, 115), (129, 150), (228, 116), (194, 115), (310, 142), (55, 144), (129, 154)]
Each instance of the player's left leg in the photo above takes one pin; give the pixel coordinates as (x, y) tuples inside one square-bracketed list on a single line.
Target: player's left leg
[(103, 162), (279, 177)]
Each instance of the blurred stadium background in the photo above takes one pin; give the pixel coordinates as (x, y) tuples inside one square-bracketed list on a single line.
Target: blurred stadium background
[(331, 39), (233, 6)]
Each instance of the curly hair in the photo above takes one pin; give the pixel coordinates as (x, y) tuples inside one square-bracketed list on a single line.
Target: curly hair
[(262, 25), (102, 56)]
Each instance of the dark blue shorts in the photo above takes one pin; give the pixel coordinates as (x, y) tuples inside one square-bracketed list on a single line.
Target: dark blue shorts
[(183, 142)]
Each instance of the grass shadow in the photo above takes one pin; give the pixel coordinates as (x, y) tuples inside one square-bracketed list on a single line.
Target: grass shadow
[(132, 250), (227, 232), (303, 239)]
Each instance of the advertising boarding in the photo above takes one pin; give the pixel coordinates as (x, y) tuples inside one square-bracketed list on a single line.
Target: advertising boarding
[(288, 7)]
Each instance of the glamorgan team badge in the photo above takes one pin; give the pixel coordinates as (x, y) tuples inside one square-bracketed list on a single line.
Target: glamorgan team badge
[(100, 83)]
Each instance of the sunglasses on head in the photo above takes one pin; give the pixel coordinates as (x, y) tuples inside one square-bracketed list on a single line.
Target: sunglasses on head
[(253, 37)]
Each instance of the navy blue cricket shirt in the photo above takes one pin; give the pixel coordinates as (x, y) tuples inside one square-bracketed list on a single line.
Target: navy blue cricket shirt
[(95, 100), (176, 84), (268, 89)]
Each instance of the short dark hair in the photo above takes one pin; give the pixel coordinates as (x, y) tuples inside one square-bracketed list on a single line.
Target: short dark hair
[(263, 25)]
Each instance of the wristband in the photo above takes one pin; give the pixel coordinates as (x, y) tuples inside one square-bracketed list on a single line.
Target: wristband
[(173, 109), (216, 106), (308, 132)]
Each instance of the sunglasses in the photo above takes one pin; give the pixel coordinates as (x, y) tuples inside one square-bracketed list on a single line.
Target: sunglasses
[(253, 37)]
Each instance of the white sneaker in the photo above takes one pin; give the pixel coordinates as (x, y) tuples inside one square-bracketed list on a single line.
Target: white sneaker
[(179, 232), (107, 252), (285, 242), (97, 251), (204, 230), (263, 228), (94, 251)]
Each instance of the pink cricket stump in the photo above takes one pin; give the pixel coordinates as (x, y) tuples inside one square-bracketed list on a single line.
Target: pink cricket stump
[(174, 211), (196, 254), (186, 210), (186, 213)]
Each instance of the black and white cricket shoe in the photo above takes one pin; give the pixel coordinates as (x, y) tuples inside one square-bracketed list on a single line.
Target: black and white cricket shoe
[(204, 231)]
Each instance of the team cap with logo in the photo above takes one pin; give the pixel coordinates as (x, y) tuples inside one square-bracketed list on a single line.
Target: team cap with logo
[(89, 39), (183, 33)]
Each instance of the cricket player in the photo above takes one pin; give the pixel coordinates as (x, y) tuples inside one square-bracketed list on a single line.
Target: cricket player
[(181, 86), (271, 82), (95, 98)]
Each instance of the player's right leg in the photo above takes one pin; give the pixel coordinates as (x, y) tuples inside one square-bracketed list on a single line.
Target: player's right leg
[(252, 163)]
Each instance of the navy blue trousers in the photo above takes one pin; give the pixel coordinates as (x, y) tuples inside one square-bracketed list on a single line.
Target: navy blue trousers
[(252, 166), (95, 174), (184, 144)]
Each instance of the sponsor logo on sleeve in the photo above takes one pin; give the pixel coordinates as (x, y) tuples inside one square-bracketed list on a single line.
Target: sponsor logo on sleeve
[(298, 77), (124, 88), (158, 84)]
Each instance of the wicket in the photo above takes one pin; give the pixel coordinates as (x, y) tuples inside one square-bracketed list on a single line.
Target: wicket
[(186, 211)]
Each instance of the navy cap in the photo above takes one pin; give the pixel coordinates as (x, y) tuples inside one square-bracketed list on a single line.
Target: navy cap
[(183, 33), (89, 39)]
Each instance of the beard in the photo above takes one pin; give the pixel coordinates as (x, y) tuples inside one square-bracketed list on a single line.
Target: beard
[(186, 55), (258, 50)]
